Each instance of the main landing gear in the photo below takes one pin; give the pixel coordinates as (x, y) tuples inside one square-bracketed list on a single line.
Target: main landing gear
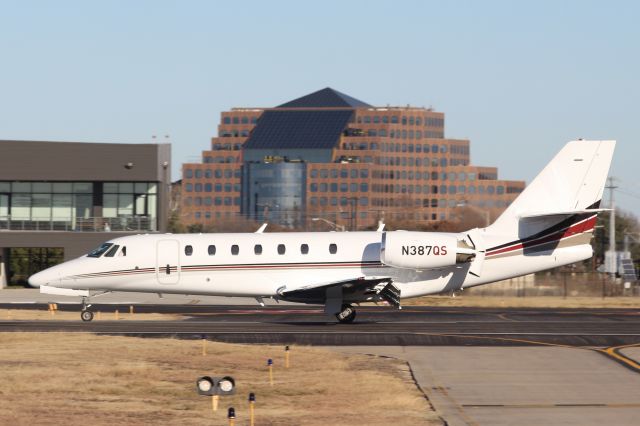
[(85, 314), (346, 315)]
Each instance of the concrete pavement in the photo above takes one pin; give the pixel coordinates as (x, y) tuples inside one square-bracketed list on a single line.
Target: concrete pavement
[(521, 385)]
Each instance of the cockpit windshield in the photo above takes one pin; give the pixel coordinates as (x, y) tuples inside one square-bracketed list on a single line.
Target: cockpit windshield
[(100, 250)]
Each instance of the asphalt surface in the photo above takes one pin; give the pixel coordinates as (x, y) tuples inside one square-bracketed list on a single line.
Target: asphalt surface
[(412, 326)]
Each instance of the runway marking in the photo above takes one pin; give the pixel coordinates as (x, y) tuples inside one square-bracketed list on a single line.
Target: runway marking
[(504, 317), (482, 336), (615, 354)]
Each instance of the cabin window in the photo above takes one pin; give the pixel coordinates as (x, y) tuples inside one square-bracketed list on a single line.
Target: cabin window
[(112, 251), (235, 249), (333, 249), (124, 251), (188, 250), (281, 249), (257, 249), (304, 249), (212, 250)]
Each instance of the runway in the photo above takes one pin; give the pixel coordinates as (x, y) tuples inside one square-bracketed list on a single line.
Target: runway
[(412, 326)]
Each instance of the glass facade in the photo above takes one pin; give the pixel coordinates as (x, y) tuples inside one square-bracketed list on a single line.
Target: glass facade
[(79, 206), (274, 192)]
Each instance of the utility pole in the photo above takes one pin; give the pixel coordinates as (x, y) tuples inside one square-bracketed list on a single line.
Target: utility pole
[(611, 258)]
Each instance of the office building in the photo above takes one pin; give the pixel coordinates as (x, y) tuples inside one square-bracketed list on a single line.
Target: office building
[(328, 155)]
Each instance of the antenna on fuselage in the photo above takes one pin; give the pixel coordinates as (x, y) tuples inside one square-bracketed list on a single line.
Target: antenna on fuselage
[(262, 228)]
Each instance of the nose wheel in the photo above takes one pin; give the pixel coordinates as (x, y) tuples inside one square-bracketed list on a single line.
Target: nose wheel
[(85, 314), (346, 315)]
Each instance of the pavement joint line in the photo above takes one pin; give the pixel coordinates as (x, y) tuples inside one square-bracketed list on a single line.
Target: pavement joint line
[(560, 405), (459, 407)]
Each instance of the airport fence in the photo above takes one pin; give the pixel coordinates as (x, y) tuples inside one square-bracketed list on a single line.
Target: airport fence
[(559, 284)]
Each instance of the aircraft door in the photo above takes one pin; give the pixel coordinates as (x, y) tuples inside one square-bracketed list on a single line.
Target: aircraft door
[(168, 262)]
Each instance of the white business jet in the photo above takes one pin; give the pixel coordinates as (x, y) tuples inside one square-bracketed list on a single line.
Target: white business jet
[(550, 224)]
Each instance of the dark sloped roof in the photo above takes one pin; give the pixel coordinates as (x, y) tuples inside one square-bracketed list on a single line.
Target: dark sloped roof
[(319, 129), (325, 98)]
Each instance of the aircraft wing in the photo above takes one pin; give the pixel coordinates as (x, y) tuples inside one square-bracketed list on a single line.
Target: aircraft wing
[(352, 289)]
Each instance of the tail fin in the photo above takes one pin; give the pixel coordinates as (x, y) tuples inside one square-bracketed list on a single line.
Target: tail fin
[(572, 183)]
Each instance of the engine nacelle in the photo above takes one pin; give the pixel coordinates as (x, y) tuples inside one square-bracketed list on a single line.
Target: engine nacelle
[(423, 250)]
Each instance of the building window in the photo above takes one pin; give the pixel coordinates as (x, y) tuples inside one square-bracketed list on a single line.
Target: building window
[(257, 249), (235, 249), (281, 249), (188, 250), (333, 249)]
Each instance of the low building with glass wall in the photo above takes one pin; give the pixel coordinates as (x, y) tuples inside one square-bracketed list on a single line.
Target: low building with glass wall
[(60, 199), (359, 164)]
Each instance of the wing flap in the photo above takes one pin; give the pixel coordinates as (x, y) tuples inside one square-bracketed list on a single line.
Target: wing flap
[(317, 293)]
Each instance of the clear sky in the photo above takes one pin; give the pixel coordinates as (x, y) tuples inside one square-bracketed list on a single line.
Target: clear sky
[(517, 78)]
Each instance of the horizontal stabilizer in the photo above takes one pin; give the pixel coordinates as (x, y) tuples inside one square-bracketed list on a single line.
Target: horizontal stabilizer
[(563, 213)]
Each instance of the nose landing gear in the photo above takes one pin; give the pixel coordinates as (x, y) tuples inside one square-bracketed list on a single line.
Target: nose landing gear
[(85, 314), (346, 315)]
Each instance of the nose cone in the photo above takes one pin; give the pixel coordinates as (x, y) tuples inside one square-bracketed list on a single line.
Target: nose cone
[(48, 276)]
